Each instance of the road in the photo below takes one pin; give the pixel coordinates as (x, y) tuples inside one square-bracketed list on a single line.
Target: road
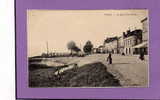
[(128, 69)]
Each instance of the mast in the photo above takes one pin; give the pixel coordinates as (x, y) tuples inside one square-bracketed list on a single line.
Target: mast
[(47, 47)]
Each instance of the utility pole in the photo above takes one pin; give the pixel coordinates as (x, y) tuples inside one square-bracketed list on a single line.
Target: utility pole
[(47, 48)]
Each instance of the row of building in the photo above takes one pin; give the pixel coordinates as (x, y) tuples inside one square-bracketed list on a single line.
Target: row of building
[(131, 42)]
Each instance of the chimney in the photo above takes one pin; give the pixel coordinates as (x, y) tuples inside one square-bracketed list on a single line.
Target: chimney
[(128, 31)]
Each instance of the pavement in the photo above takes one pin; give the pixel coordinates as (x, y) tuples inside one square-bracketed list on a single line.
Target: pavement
[(130, 70)]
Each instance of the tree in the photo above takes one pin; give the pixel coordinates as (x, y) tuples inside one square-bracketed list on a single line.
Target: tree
[(71, 45), (88, 47)]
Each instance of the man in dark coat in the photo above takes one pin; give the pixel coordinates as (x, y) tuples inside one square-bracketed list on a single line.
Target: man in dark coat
[(141, 55), (109, 58)]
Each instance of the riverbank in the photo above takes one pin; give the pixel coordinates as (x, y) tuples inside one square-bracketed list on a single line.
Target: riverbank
[(88, 75)]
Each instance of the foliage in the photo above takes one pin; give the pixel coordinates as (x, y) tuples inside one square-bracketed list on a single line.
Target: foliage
[(88, 47), (72, 46)]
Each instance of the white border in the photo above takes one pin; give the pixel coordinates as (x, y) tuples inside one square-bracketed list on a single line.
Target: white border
[(7, 50)]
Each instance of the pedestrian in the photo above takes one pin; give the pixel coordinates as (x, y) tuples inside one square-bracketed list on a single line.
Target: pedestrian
[(75, 66), (109, 58), (123, 54), (141, 56)]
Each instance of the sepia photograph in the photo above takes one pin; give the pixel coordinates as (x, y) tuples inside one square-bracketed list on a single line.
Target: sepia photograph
[(88, 48)]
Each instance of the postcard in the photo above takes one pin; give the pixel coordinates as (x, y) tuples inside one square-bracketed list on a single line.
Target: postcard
[(95, 51)]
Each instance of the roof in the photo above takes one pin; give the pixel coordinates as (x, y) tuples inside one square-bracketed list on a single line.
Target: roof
[(136, 32), (107, 40), (101, 46), (144, 20)]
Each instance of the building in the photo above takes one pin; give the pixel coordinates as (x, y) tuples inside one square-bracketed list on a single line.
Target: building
[(131, 39), (145, 29), (120, 45), (111, 45), (100, 49), (94, 50), (143, 47), (145, 35)]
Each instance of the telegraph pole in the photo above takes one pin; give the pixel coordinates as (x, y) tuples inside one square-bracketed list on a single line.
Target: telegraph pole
[(47, 47)]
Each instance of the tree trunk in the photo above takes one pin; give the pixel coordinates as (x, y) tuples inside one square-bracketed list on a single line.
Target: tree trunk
[(71, 51)]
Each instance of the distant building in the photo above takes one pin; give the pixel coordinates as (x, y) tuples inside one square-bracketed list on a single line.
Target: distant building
[(111, 45), (131, 39), (120, 45), (101, 49), (94, 50)]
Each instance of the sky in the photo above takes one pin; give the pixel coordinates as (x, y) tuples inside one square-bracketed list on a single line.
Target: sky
[(58, 27)]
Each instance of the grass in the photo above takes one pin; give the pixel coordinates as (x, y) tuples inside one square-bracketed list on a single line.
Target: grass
[(89, 75)]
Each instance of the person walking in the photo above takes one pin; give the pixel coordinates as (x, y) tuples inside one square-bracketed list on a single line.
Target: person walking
[(109, 58), (141, 56)]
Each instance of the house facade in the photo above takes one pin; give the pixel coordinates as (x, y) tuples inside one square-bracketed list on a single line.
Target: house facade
[(145, 35), (143, 46), (145, 29), (111, 45), (131, 39), (129, 42)]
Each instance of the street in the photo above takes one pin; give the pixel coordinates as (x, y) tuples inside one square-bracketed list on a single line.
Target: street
[(128, 69)]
